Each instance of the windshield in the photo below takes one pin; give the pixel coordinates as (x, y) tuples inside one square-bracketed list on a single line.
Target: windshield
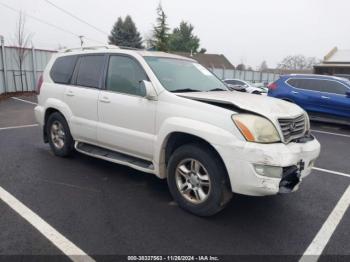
[(178, 75)]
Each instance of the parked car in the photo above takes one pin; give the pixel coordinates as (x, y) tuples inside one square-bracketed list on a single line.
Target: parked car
[(243, 86), (326, 98), (262, 86), (169, 116), (347, 76)]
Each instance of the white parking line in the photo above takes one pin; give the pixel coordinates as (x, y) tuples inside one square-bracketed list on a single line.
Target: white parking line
[(330, 171), (61, 242), (330, 133), (323, 236), (25, 101), (16, 127)]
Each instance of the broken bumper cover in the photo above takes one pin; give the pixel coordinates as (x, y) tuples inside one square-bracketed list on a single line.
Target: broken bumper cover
[(295, 160)]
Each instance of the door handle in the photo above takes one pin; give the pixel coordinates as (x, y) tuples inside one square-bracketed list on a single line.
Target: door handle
[(295, 92), (105, 99), (325, 97)]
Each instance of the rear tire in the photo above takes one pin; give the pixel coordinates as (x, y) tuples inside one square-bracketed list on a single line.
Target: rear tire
[(198, 180), (59, 136)]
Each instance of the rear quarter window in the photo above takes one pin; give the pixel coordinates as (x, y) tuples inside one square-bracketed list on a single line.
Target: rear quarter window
[(62, 69)]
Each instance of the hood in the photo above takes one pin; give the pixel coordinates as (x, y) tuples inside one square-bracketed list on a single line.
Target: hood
[(263, 105)]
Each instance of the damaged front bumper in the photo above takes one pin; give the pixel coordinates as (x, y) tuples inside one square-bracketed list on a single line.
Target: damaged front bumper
[(268, 169)]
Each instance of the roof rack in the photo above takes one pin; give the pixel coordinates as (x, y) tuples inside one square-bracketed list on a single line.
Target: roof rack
[(98, 47), (129, 48), (90, 48)]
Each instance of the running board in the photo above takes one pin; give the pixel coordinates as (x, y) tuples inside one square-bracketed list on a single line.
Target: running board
[(115, 157)]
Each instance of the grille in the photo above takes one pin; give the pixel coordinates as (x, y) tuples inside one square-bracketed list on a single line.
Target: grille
[(292, 128)]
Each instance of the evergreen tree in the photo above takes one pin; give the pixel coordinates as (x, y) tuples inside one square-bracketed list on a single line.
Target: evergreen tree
[(124, 33), (160, 31), (183, 40)]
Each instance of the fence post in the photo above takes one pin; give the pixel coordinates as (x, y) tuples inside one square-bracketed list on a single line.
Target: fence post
[(34, 68), (2, 40)]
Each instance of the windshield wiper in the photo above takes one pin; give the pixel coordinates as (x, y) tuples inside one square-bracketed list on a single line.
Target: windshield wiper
[(217, 89), (185, 90)]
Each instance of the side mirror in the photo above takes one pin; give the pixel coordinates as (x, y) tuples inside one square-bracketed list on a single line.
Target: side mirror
[(347, 94), (147, 90)]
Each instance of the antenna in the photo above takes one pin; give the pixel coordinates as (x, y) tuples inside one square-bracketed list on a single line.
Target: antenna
[(81, 37)]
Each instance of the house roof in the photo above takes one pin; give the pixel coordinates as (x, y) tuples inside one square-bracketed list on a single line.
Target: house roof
[(209, 60), (336, 56)]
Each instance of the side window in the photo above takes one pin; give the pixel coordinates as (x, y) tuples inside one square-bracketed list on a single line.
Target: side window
[(62, 69), (294, 82), (310, 84), (124, 75), (306, 84), (333, 87), (234, 82), (90, 70)]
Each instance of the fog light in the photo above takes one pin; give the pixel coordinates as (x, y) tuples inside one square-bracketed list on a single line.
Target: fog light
[(269, 171)]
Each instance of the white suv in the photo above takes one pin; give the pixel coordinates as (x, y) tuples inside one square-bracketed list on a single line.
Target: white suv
[(169, 116)]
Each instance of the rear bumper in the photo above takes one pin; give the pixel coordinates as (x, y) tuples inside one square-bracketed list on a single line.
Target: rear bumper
[(39, 113), (240, 159)]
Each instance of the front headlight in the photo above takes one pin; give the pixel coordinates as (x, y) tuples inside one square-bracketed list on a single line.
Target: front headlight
[(307, 124), (256, 128)]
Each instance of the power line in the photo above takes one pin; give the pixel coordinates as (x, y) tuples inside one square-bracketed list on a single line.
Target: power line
[(48, 24), (76, 17)]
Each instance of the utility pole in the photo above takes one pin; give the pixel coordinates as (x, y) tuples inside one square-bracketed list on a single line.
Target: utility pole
[(34, 67), (81, 37), (2, 41)]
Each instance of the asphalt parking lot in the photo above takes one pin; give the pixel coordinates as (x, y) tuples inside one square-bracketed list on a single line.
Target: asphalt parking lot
[(106, 209)]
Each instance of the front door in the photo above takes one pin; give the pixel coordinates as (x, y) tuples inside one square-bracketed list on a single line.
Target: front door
[(126, 117), (334, 100)]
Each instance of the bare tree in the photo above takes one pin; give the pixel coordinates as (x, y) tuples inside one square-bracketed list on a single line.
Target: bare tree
[(298, 62), (21, 42), (263, 67)]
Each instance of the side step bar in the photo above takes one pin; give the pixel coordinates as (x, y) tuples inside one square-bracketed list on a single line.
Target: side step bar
[(115, 157)]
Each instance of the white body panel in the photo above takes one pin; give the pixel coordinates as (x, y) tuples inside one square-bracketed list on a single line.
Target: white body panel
[(83, 105), (126, 123)]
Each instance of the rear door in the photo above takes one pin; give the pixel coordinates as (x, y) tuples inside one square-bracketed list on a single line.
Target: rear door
[(82, 96)]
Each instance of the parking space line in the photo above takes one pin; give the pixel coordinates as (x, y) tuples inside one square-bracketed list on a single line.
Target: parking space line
[(330, 133), (332, 172), (323, 236), (61, 242), (16, 127), (25, 101)]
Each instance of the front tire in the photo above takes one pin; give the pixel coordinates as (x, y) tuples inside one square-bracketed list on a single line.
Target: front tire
[(59, 136), (198, 180)]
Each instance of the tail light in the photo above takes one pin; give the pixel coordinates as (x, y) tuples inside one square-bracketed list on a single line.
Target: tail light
[(40, 83), (272, 86)]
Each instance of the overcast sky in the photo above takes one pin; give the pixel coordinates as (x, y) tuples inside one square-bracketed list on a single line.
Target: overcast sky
[(248, 31)]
